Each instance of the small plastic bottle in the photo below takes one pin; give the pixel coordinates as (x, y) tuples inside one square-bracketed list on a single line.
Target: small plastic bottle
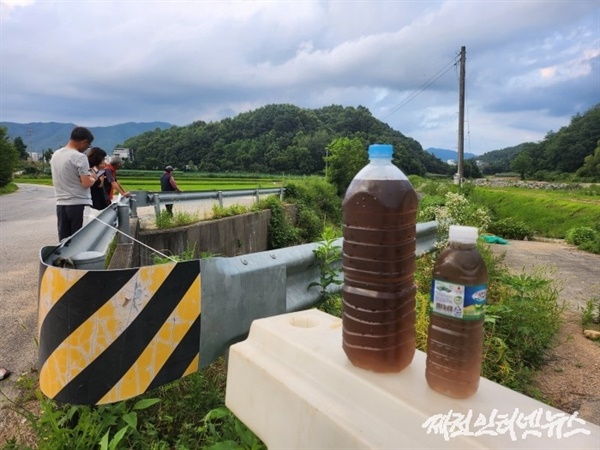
[(458, 296), (378, 317)]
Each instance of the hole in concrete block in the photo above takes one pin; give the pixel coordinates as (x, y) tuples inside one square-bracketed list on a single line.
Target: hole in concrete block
[(304, 322)]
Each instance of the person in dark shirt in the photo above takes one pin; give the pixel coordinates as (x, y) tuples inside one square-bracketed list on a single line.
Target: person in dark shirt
[(168, 184), (96, 157)]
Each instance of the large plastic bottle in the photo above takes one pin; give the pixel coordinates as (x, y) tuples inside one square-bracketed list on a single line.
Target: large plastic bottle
[(379, 209), (458, 295)]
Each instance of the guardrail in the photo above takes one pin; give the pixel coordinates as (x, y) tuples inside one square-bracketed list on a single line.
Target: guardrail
[(93, 239), (238, 290), (109, 335), (156, 199)]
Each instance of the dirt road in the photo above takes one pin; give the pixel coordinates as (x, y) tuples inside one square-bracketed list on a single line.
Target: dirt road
[(571, 378)]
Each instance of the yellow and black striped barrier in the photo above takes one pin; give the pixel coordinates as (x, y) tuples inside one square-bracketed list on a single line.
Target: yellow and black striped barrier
[(106, 336)]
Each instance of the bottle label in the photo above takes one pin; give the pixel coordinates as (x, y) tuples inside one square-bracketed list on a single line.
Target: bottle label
[(457, 300)]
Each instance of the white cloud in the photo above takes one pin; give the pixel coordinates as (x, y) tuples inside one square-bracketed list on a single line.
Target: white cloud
[(530, 65)]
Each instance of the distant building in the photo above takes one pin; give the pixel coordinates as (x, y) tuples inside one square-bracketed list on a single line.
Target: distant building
[(123, 153), (33, 156), (451, 162)]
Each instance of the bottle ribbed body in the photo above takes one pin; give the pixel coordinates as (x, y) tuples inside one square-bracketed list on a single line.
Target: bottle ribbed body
[(379, 263), (455, 337)]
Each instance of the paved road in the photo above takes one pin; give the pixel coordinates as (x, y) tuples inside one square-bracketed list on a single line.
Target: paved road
[(575, 272), (27, 223)]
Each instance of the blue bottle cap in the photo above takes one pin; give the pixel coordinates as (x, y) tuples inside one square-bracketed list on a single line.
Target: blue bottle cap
[(380, 151)]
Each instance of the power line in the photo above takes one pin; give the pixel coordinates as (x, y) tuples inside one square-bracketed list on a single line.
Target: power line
[(424, 86)]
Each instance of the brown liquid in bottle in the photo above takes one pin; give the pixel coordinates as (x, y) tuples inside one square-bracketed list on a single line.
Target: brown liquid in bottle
[(379, 263), (455, 346)]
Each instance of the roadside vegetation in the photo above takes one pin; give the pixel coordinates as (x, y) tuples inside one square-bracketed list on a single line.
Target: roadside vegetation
[(523, 315), (518, 213)]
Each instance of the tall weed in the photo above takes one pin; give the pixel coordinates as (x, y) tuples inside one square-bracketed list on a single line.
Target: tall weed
[(328, 258), (179, 219), (524, 314)]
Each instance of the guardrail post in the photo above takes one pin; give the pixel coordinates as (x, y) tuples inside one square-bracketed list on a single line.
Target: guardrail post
[(281, 190), (156, 205), (123, 224), (220, 197), (133, 206), (257, 196)]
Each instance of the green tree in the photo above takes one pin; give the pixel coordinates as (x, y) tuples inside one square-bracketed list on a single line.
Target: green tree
[(8, 158), (47, 155), (277, 139), (591, 165), (345, 158), (21, 148), (471, 169), (521, 164)]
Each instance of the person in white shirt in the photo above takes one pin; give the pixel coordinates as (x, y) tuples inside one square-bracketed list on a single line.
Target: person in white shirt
[(72, 179)]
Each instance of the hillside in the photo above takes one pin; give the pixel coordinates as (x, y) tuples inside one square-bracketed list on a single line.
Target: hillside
[(560, 155), (40, 137), (448, 155), (278, 139)]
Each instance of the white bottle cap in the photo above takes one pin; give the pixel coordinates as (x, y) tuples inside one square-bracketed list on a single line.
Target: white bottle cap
[(459, 233)]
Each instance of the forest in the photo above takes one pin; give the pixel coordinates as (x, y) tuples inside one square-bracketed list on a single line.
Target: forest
[(275, 139), (285, 139), (288, 139), (571, 152)]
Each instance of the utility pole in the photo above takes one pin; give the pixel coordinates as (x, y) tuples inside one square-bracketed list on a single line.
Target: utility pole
[(461, 116)]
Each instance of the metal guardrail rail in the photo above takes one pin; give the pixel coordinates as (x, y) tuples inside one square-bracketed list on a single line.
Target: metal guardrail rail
[(156, 199), (237, 290), (95, 236), (217, 298)]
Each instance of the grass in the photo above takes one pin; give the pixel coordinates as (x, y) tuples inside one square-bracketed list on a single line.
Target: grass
[(185, 414), (8, 189), (186, 181), (549, 213)]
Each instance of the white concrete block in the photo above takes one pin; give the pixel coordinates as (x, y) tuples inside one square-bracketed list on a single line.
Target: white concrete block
[(292, 385)]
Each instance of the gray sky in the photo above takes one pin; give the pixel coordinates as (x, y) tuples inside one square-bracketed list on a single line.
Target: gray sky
[(531, 65)]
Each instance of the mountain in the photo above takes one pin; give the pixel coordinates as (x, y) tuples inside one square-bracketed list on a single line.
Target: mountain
[(446, 155), (276, 138), (39, 137)]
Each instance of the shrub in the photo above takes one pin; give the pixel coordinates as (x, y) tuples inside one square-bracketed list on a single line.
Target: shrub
[(580, 235), (456, 210), (310, 225), (590, 314), (523, 318), (281, 231), (428, 206), (318, 195), (511, 229), (219, 212), (8, 158), (592, 246), (179, 219)]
